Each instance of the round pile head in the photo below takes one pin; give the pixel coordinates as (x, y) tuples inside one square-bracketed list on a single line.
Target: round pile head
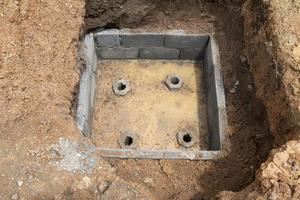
[(174, 82), (121, 87), (128, 141), (185, 139)]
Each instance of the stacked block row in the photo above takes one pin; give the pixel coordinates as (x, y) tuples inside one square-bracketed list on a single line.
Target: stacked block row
[(125, 44)]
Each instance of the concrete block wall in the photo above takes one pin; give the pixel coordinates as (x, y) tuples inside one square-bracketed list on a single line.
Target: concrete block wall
[(216, 106), (127, 44), (87, 87)]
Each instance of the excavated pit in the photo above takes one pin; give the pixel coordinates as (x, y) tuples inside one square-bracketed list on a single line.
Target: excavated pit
[(43, 155), (248, 127)]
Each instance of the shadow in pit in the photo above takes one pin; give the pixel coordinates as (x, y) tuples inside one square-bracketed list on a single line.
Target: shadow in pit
[(248, 126), (201, 105), (250, 143)]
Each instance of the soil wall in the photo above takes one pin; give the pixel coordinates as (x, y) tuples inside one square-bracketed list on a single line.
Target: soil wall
[(272, 38)]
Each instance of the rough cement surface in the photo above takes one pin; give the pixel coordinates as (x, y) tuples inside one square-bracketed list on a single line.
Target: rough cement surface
[(148, 109), (70, 156)]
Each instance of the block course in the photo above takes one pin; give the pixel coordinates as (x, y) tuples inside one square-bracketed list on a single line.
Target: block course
[(150, 45)]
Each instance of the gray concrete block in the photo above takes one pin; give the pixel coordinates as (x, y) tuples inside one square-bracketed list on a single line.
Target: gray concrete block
[(222, 128), (142, 39), (83, 115), (214, 135), (212, 95), (117, 53), (108, 38), (217, 122), (216, 107), (157, 154), (191, 54), (158, 53), (185, 41), (208, 60), (213, 119)]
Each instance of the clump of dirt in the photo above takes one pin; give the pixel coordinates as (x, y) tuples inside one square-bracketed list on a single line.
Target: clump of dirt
[(278, 177)]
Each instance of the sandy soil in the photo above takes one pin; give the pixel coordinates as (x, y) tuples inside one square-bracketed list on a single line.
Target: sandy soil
[(43, 155), (38, 74)]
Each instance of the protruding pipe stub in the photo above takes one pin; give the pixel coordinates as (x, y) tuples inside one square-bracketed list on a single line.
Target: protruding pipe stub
[(174, 82), (121, 87), (186, 139), (128, 141)]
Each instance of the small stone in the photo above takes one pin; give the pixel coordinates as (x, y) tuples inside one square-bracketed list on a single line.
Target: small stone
[(148, 181), (20, 183), (295, 167), (235, 86), (112, 170), (237, 83), (250, 87), (87, 181), (243, 59), (82, 184), (103, 186), (290, 161), (15, 197), (266, 2), (232, 90)]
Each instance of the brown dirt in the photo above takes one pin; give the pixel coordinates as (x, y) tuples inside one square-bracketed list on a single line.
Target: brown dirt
[(272, 47), (43, 155), (273, 54)]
